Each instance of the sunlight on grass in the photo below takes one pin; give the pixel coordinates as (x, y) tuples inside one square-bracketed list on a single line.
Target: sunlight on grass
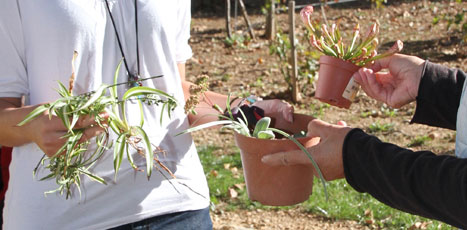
[(224, 174)]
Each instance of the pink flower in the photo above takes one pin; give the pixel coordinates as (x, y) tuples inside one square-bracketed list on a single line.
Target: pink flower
[(396, 48), (305, 14), (315, 43)]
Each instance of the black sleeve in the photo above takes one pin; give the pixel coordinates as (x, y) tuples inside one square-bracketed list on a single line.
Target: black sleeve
[(420, 183), (439, 96)]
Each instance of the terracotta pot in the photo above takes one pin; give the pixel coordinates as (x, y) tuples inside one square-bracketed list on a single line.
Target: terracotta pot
[(334, 76), (276, 185)]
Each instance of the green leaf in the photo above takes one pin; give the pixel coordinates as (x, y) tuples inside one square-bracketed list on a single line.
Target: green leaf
[(64, 117), (119, 148), (113, 89), (162, 111), (95, 96), (243, 128), (227, 106), (149, 154), (130, 158), (261, 125), (141, 113), (62, 90), (143, 90), (93, 177), (203, 126), (116, 123), (74, 120), (36, 112), (265, 134)]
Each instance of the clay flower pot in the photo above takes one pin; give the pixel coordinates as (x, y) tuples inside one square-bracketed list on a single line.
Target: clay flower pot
[(276, 185), (333, 81)]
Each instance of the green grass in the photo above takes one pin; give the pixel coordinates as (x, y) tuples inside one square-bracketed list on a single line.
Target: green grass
[(377, 127), (344, 202), (419, 141)]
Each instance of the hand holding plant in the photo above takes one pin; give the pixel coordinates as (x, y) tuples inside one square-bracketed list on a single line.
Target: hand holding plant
[(397, 87), (327, 153), (249, 122), (86, 115)]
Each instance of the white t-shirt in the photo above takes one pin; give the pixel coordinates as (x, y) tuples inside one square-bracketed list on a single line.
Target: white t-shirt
[(37, 40)]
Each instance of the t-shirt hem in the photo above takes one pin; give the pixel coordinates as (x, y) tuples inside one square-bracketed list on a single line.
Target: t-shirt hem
[(145, 215)]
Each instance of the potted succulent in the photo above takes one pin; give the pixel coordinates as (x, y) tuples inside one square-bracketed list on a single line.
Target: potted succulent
[(339, 60), (270, 185)]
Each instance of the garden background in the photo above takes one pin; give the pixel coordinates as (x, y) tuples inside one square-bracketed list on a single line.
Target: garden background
[(433, 30)]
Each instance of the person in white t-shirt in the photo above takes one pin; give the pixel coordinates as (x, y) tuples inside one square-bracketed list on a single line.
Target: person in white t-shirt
[(37, 41)]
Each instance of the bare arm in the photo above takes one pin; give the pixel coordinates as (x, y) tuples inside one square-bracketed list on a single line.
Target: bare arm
[(46, 132), (205, 106), (11, 113)]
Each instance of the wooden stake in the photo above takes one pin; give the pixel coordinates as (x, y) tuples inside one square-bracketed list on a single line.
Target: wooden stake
[(270, 21), (245, 16), (295, 87), (227, 19)]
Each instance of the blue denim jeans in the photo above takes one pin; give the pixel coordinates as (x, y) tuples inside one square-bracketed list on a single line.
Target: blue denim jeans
[(188, 220)]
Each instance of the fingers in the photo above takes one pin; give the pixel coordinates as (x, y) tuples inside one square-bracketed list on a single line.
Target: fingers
[(384, 63), (369, 84), (342, 123), (317, 128), (91, 132), (286, 158), (276, 106), (88, 121), (288, 112)]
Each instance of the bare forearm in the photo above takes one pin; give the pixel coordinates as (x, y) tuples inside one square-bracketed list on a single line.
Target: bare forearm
[(11, 113), (205, 108)]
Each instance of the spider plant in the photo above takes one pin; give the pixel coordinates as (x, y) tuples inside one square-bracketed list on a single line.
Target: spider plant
[(73, 159)]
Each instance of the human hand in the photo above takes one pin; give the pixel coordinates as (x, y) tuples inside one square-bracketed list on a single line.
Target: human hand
[(275, 106), (397, 87), (327, 153), (48, 133)]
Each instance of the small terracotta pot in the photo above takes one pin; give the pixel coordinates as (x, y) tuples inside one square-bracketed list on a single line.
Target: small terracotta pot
[(276, 185), (334, 75)]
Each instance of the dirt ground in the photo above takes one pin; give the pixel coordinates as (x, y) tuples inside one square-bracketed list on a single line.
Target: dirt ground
[(251, 68)]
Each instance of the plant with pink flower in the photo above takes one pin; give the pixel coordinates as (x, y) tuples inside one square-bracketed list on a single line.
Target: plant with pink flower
[(329, 41)]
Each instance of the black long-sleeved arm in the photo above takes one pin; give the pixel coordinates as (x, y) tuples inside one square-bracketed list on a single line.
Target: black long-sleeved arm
[(420, 183), (439, 95)]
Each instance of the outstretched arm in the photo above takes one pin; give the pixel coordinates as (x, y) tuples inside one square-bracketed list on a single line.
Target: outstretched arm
[(421, 183), (210, 98)]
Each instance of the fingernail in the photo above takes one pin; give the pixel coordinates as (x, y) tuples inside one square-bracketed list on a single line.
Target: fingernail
[(266, 158)]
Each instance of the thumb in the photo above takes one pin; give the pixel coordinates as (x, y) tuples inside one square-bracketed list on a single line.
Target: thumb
[(317, 128), (382, 63), (286, 158)]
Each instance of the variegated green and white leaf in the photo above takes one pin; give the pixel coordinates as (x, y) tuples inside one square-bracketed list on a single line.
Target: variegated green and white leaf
[(149, 154), (143, 90), (33, 114), (95, 96), (203, 126), (119, 148)]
